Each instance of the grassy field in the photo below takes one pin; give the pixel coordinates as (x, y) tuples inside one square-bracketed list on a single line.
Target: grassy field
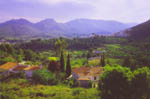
[(22, 89)]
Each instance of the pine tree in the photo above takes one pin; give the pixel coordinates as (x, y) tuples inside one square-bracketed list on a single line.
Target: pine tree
[(62, 65), (68, 67)]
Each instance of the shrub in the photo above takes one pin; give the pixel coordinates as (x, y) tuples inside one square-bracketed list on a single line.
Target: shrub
[(140, 85), (44, 77), (73, 83)]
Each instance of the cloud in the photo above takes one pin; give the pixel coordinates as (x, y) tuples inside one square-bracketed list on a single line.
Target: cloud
[(64, 10), (50, 1)]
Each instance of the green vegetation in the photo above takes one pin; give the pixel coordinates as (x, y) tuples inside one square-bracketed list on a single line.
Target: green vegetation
[(119, 82), (44, 77), (22, 89), (125, 62)]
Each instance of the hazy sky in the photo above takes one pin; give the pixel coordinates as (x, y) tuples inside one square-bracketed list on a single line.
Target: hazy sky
[(65, 10)]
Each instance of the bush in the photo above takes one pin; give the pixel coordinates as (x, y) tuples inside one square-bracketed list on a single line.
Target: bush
[(120, 83), (140, 85), (44, 77), (114, 82), (73, 83)]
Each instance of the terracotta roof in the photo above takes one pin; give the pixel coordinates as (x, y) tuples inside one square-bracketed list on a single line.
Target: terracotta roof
[(32, 68), (19, 68), (8, 65), (87, 71), (81, 70)]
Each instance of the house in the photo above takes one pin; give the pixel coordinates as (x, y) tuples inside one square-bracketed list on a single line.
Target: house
[(8, 67), (30, 70), (11, 68), (85, 75), (19, 68)]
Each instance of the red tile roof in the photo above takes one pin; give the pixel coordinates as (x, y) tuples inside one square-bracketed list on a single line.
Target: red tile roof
[(32, 68), (8, 65), (19, 68)]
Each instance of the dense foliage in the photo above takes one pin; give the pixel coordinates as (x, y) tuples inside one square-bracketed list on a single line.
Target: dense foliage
[(121, 83), (44, 77)]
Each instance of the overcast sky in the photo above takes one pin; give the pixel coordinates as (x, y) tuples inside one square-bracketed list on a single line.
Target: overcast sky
[(64, 10)]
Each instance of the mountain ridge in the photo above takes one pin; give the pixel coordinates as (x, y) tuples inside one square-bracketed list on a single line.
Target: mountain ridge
[(138, 32), (51, 28)]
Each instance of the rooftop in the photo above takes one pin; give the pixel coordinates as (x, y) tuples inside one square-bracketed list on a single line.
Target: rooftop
[(32, 68), (8, 65), (87, 71), (20, 67)]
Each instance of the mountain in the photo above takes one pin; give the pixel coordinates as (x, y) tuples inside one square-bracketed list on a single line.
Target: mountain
[(132, 24), (50, 28), (18, 28), (88, 26), (141, 31)]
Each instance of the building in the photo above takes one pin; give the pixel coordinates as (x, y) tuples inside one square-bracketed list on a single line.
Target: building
[(87, 75), (30, 70), (11, 67), (8, 67), (19, 68)]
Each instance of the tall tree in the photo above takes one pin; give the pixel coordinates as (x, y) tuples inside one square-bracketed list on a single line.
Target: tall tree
[(68, 67), (102, 61), (60, 45), (62, 65)]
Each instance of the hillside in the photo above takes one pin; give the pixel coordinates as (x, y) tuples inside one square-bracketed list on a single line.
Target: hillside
[(22, 28), (141, 31)]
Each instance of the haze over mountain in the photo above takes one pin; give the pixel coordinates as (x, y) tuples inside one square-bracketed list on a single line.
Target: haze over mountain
[(141, 31), (51, 28)]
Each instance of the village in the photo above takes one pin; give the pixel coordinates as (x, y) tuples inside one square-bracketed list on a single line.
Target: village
[(83, 75)]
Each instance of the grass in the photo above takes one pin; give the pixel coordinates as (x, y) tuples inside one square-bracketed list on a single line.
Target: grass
[(94, 62), (22, 89)]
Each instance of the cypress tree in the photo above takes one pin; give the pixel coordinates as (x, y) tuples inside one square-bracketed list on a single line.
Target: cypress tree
[(102, 60), (68, 66), (62, 65)]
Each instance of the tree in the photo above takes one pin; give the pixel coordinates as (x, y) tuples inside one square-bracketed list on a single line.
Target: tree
[(54, 66), (68, 66), (114, 83), (62, 65), (102, 61), (44, 77), (60, 45), (20, 55), (127, 62), (29, 55), (140, 84), (7, 59)]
